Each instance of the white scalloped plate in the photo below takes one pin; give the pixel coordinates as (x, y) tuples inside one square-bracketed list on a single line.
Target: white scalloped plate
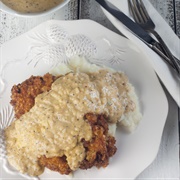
[(30, 54)]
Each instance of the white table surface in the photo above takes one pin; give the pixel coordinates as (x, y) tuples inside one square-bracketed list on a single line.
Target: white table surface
[(166, 164)]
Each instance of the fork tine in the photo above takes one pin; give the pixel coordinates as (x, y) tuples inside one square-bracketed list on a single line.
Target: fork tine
[(143, 8), (137, 11), (140, 11), (133, 11)]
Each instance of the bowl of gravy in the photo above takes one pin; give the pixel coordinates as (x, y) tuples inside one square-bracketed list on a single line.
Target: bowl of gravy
[(31, 7)]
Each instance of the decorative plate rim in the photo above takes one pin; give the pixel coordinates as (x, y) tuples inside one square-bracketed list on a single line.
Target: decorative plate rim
[(114, 39)]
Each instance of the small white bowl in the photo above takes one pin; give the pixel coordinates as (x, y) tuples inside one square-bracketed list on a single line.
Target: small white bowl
[(8, 10)]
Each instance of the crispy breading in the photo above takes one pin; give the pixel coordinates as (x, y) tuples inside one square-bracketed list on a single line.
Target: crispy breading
[(23, 95), (58, 164), (102, 145), (98, 150)]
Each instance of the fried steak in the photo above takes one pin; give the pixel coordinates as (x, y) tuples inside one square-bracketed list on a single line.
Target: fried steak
[(23, 95), (98, 150)]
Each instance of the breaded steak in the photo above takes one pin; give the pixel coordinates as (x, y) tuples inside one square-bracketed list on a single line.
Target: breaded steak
[(101, 146), (98, 149), (23, 95)]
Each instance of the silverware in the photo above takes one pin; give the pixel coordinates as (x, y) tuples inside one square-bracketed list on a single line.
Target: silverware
[(137, 30), (142, 17)]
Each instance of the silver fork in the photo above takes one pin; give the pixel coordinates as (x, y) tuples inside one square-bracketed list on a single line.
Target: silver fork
[(142, 17)]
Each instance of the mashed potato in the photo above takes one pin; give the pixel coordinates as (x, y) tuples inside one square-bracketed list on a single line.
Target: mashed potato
[(130, 120)]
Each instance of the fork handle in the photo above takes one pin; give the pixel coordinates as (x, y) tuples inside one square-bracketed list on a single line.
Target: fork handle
[(155, 48), (167, 51), (159, 46)]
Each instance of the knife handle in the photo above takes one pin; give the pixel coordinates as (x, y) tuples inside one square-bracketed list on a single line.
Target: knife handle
[(167, 51), (155, 47), (159, 46)]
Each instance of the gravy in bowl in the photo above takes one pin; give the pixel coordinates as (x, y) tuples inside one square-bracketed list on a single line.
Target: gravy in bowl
[(31, 6)]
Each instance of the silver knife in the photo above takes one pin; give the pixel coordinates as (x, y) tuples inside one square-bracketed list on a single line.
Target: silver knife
[(135, 29)]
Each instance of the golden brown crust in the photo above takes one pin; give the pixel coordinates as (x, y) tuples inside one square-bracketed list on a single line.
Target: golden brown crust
[(98, 150), (23, 95), (58, 164), (102, 145)]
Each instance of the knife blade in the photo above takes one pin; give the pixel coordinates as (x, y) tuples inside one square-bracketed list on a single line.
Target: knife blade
[(134, 28)]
